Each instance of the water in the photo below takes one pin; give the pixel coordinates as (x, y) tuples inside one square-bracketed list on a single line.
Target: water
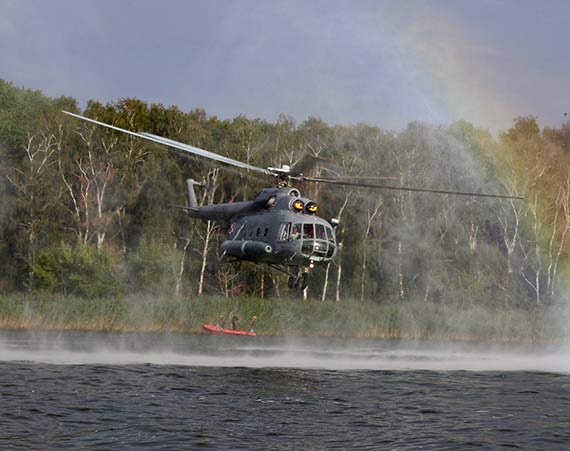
[(149, 391)]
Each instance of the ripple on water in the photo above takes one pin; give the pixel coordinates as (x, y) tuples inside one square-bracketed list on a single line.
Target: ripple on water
[(172, 406)]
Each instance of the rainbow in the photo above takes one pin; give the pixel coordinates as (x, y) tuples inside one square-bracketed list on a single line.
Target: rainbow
[(452, 75)]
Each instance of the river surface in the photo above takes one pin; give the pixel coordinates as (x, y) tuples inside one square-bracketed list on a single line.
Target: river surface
[(172, 392)]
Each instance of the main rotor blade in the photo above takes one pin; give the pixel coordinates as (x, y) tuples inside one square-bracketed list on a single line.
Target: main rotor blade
[(401, 188), (177, 145)]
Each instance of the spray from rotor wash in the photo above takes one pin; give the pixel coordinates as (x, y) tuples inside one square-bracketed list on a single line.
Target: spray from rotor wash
[(319, 354)]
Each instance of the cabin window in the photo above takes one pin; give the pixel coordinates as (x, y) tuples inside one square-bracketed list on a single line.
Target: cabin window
[(330, 234), (296, 233), (258, 231), (308, 231), (284, 230), (266, 231), (320, 232)]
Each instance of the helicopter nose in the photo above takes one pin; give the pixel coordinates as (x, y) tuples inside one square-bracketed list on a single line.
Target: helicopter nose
[(318, 250)]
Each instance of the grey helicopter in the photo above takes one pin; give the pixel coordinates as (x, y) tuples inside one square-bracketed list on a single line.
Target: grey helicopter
[(279, 227)]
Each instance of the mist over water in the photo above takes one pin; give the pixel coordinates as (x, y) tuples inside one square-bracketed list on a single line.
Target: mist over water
[(77, 390), (76, 348)]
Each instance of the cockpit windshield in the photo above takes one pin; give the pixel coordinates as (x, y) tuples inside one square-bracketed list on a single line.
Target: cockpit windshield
[(308, 231), (318, 241), (320, 232), (312, 231)]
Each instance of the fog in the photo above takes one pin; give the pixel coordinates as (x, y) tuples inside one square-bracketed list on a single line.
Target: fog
[(77, 348)]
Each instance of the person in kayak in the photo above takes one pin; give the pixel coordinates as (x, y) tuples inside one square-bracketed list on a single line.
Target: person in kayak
[(235, 320), (251, 323), (221, 322)]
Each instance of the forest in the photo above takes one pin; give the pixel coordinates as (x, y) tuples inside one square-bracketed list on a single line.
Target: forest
[(86, 212)]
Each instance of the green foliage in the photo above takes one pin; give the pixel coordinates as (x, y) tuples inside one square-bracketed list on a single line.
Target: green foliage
[(20, 113), (80, 270), (24, 111), (151, 268), (524, 129), (112, 191)]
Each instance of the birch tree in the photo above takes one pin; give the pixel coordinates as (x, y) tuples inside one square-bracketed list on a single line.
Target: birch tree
[(371, 214), (559, 234), (207, 232), (34, 183), (87, 183)]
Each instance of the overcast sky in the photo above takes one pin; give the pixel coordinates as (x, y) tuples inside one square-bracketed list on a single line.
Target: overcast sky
[(382, 62)]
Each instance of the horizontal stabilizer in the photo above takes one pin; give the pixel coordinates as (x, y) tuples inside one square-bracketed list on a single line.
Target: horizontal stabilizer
[(184, 207)]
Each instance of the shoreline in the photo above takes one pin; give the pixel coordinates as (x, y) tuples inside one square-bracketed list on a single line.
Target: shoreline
[(407, 337), (409, 320)]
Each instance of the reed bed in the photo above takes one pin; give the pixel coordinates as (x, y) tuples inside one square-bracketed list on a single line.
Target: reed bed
[(402, 320)]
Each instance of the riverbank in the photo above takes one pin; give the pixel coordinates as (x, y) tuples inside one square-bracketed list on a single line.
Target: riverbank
[(405, 320)]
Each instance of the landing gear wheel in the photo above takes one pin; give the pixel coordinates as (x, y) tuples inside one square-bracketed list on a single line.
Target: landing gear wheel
[(291, 282), (302, 281)]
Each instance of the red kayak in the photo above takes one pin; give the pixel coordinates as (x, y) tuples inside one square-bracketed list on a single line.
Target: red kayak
[(221, 331)]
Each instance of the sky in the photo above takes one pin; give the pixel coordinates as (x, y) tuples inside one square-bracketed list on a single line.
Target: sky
[(386, 63)]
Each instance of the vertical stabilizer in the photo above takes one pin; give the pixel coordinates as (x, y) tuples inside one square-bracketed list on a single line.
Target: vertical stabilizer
[(192, 202)]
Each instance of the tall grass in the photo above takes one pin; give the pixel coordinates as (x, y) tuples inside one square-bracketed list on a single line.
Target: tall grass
[(404, 320)]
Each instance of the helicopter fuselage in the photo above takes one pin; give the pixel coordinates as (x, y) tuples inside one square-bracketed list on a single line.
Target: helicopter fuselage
[(278, 227)]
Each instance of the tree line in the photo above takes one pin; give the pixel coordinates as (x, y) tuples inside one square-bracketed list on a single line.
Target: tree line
[(86, 211)]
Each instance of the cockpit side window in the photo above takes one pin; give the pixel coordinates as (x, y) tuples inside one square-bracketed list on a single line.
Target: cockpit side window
[(284, 231), (320, 232), (330, 234), (296, 232), (308, 231)]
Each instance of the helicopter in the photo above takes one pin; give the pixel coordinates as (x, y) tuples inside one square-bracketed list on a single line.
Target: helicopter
[(279, 227)]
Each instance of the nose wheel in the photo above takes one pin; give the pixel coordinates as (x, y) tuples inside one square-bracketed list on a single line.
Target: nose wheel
[(300, 282)]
